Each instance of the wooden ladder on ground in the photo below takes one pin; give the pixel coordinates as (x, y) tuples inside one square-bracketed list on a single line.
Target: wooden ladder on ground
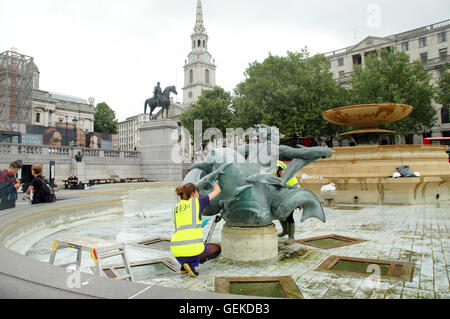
[(99, 250)]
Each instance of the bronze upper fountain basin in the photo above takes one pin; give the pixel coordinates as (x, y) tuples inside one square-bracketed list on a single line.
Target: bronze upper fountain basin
[(367, 115)]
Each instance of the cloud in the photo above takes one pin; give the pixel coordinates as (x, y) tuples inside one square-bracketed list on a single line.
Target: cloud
[(117, 50)]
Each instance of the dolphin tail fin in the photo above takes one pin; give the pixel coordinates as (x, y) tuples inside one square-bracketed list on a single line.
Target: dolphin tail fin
[(301, 197)]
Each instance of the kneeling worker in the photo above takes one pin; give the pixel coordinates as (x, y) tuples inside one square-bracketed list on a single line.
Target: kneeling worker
[(288, 224), (187, 244)]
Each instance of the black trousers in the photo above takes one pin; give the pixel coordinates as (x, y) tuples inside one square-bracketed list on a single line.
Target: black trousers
[(7, 204), (290, 218)]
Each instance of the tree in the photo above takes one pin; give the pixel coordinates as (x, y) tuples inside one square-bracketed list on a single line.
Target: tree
[(289, 92), (214, 108), (105, 119), (443, 95), (390, 78)]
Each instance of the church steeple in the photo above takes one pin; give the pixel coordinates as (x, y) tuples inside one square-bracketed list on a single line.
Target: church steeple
[(199, 26), (199, 36), (200, 68)]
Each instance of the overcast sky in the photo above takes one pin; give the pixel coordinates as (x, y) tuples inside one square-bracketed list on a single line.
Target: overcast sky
[(116, 50)]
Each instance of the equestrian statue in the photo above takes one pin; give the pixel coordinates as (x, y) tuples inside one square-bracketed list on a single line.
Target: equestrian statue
[(160, 99)]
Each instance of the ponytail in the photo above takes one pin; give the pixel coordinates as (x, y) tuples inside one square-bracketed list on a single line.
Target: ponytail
[(185, 191)]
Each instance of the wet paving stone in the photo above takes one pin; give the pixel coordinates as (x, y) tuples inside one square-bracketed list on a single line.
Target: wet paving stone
[(412, 234)]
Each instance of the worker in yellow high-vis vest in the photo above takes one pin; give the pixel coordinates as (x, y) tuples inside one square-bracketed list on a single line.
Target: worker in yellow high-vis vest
[(187, 243), (288, 225)]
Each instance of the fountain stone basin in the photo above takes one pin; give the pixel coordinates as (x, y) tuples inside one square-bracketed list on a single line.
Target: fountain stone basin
[(367, 115), (363, 173)]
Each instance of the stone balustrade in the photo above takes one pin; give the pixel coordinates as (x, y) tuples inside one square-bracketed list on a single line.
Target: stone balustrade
[(62, 152), (96, 163)]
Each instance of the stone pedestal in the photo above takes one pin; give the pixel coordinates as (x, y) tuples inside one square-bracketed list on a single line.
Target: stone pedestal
[(160, 151), (80, 171), (249, 244)]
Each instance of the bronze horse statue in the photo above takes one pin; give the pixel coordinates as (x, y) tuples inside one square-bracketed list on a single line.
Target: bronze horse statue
[(164, 100)]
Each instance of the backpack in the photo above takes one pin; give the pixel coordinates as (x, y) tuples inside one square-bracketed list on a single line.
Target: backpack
[(48, 195)]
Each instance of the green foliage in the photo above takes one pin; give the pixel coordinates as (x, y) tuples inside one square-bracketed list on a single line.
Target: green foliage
[(214, 107), (390, 78), (443, 95), (105, 119), (289, 92)]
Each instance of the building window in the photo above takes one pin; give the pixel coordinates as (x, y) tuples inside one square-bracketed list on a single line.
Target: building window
[(204, 43), (442, 37), (424, 57), (409, 139), (38, 118), (443, 53), (405, 46), (207, 76), (445, 118), (341, 74), (191, 76), (341, 62), (422, 42), (357, 59), (198, 43), (193, 44)]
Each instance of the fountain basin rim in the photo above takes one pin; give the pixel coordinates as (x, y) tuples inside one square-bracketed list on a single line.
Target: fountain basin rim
[(370, 130), (362, 115), (24, 277)]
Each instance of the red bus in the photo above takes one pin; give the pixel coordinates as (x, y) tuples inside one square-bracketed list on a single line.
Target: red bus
[(438, 141), (304, 141), (309, 141)]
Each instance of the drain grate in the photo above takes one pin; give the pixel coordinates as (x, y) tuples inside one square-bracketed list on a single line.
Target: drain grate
[(159, 243), (368, 267), (273, 287), (330, 241), (142, 270)]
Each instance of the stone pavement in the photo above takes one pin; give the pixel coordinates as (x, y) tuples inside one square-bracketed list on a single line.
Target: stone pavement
[(416, 234)]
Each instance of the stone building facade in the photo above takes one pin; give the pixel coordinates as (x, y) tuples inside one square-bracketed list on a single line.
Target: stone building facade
[(429, 44), (53, 109), (128, 137), (19, 78)]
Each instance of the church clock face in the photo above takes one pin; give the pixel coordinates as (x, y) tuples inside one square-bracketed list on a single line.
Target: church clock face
[(191, 57)]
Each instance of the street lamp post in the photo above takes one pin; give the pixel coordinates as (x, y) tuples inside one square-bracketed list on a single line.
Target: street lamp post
[(67, 122), (75, 121)]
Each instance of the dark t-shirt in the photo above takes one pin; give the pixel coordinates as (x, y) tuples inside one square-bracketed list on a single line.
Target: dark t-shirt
[(39, 192), (7, 190), (204, 202)]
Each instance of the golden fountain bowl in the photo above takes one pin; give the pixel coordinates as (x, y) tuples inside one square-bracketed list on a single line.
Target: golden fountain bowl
[(367, 115)]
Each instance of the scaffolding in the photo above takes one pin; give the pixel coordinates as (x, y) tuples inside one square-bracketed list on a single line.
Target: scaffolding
[(16, 87)]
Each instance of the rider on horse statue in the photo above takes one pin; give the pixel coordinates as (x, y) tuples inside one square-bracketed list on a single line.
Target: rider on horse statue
[(157, 92), (160, 99)]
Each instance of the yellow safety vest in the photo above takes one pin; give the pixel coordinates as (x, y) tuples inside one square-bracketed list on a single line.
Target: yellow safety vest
[(293, 181), (187, 241)]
